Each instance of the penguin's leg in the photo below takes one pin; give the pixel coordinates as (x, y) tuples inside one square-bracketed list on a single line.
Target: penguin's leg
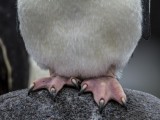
[(53, 84), (104, 89)]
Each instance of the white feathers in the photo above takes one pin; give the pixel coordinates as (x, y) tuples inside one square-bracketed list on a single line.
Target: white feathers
[(80, 37)]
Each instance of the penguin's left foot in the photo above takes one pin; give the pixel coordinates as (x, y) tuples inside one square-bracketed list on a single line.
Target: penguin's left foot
[(104, 89)]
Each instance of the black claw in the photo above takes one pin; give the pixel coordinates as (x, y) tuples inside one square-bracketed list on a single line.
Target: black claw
[(125, 106), (53, 92), (124, 103), (75, 82), (77, 86), (84, 87), (80, 92), (30, 90), (101, 105)]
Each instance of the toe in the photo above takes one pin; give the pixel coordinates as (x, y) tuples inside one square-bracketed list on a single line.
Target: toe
[(42, 83), (117, 92)]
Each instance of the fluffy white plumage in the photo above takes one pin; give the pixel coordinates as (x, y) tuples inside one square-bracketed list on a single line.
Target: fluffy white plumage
[(80, 37)]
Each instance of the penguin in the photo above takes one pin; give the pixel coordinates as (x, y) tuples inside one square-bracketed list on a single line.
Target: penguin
[(84, 43)]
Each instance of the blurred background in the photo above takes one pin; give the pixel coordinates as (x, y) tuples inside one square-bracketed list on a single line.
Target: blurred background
[(18, 70)]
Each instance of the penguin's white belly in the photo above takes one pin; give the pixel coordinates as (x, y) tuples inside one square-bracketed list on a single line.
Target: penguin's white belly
[(81, 38)]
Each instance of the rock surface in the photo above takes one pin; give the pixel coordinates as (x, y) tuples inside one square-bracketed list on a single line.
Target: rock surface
[(69, 106)]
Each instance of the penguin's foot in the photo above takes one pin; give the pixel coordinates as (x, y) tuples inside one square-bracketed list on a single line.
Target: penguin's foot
[(53, 84), (104, 89)]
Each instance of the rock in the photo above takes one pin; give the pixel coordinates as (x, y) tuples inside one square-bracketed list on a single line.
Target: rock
[(69, 106)]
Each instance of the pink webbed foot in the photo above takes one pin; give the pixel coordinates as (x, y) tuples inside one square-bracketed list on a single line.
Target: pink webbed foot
[(53, 84), (104, 89)]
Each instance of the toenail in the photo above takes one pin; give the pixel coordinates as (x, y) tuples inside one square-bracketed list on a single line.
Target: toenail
[(84, 86), (74, 81), (123, 101), (101, 102), (53, 90), (32, 85)]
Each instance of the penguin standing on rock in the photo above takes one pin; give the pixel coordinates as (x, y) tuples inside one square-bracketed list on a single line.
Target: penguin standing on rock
[(88, 39)]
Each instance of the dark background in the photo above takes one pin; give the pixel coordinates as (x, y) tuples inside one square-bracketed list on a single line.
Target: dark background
[(16, 52), (142, 72)]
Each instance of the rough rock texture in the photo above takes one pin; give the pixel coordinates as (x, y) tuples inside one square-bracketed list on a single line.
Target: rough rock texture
[(69, 106)]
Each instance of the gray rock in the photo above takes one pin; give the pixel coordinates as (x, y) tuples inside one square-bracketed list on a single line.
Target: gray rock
[(69, 106)]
